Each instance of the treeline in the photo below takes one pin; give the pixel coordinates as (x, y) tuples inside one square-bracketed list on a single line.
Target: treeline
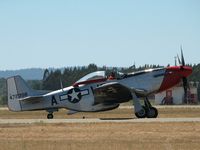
[(25, 73), (52, 79), (3, 92), (195, 73)]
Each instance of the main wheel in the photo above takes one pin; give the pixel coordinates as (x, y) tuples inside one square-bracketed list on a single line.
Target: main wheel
[(50, 116), (141, 113), (152, 112)]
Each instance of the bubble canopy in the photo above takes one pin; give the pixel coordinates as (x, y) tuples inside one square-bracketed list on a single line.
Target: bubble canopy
[(94, 76)]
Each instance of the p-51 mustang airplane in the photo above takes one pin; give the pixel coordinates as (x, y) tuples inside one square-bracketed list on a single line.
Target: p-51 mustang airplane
[(95, 92)]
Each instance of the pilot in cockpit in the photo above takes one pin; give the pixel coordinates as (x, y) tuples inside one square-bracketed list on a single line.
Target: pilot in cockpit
[(111, 76)]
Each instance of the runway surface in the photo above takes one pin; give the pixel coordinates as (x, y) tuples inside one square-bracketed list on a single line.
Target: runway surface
[(101, 120), (157, 106), (165, 106), (107, 120)]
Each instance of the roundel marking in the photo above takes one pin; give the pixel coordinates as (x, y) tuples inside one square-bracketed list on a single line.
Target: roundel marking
[(74, 95)]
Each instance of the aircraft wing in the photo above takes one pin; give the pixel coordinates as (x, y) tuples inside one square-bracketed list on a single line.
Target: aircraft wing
[(115, 92), (112, 93)]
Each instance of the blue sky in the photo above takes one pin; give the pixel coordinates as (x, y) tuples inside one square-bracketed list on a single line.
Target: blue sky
[(51, 33)]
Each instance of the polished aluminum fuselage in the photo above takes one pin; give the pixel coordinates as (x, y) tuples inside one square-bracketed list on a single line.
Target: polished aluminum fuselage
[(148, 81)]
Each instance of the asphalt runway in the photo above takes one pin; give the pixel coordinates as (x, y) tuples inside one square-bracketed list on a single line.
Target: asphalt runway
[(165, 106), (95, 120), (157, 106), (107, 120)]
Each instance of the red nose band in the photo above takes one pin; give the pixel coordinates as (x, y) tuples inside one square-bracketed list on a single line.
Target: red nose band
[(174, 75)]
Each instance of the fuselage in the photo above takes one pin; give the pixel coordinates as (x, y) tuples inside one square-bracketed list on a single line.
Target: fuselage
[(80, 96)]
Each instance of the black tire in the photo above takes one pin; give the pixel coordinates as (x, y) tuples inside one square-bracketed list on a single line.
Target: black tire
[(141, 113), (50, 116), (152, 112)]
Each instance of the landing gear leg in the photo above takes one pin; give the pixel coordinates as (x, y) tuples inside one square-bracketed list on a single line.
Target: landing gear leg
[(140, 111), (151, 112)]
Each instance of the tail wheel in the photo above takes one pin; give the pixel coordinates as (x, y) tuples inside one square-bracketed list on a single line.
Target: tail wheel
[(50, 116), (141, 113), (152, 112)]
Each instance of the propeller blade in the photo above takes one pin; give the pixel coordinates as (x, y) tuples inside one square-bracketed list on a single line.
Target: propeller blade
[(179, 61), (182, 57), (185, 80), (185, 87)]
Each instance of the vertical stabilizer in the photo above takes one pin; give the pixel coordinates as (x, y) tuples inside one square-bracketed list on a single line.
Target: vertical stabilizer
[(17, 89)]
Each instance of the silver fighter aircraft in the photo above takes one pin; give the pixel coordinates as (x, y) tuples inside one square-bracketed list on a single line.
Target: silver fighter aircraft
[(95, 92)]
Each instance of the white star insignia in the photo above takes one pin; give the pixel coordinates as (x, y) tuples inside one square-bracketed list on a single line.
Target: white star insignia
[(74, 95)]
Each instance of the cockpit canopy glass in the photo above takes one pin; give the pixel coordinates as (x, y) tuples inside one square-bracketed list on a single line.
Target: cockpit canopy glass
[(93, 76)]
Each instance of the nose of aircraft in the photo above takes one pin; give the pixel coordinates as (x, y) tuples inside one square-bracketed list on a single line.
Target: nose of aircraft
[(183, 71), (174, 75)]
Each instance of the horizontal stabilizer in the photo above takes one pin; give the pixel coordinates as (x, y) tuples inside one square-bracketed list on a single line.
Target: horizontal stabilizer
[(31, 99)]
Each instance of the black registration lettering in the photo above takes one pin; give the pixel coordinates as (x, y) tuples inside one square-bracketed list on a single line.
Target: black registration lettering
[(19, 95), (53, 101)]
